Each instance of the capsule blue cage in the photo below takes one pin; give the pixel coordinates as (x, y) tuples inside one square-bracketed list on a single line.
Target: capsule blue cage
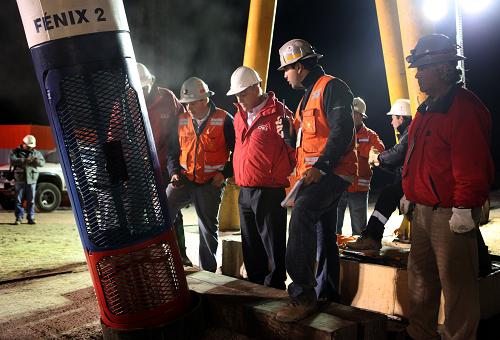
[(104, 138)]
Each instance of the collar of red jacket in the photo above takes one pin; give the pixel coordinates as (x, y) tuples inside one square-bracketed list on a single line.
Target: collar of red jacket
[(441, 105), (268, 109)]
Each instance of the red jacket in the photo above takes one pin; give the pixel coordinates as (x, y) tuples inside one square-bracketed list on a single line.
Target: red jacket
[(448, 162), (261, 157), (163, 109), (365, 139)]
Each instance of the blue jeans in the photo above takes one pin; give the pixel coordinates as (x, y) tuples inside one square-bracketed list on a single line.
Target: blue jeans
[(358, 207), (312, 237), (26, 191)]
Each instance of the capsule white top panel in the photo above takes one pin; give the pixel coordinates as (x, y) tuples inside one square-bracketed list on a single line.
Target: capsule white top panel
[(46, 20)]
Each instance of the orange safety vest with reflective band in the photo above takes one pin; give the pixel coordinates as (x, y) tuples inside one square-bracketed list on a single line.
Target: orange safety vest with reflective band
[(315, 131), (202, 156), (366, 139)]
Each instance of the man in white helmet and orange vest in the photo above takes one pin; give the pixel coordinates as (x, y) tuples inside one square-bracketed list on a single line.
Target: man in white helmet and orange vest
[(323, 134), (262, 162), (26, 160), (163, 110), (356, 196), (199, 162), (447, 175)]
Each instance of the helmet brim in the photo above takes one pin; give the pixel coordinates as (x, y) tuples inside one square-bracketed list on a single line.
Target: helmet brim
[(317, 55), (190, 100), (429, 59)]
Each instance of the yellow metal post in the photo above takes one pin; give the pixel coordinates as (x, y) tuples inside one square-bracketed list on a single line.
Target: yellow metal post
[(392, 49), (260, 37), (257, 54), (413, 26), (390, 37)]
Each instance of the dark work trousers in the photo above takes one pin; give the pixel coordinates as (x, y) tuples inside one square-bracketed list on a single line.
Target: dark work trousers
[(387, 202), (206, 199), (312, 233), (263, 235)]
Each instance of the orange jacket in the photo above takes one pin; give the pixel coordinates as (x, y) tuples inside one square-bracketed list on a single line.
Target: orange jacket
[(365, 139), (204, 155), (315, 130)]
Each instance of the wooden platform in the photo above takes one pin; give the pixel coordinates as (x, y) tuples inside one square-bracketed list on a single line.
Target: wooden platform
[(250, 309)]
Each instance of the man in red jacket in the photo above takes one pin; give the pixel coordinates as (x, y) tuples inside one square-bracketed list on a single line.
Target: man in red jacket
[(356, 195), (262, 162), (447, 175), (163, 109)]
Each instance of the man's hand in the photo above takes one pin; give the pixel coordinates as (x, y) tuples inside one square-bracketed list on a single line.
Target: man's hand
[(176, 181), (461, 221), (284, 127), (373, 157), (404, 205), (312, 175), (218, 179)]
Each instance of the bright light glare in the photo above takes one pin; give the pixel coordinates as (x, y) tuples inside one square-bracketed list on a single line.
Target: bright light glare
[(435, 9), (474, 6)]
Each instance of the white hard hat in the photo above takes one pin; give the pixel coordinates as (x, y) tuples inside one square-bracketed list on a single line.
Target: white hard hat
[(359, 106), (242, 78), (401, 107), (295, 50), (147, 79), (194, 89), (30, 141)]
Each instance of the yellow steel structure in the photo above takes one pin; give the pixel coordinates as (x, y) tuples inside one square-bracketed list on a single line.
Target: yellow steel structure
[(260, 37), (257, 53), (413, 25), (390, 37)]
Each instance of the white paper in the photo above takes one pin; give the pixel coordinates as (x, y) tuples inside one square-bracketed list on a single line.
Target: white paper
[(289, 200)]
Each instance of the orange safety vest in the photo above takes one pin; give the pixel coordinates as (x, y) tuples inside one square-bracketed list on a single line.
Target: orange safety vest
[(202, 156), (315, 130), (366, 139)]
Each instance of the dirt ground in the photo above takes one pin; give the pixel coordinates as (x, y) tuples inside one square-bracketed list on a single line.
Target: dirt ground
[(47, 291)]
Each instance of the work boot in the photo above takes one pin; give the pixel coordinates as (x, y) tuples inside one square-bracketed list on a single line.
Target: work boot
[(32, 221), (364, 243), (296, 311), (18, 221)]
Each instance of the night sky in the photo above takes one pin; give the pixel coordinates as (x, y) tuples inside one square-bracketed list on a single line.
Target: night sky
[(178, 39)]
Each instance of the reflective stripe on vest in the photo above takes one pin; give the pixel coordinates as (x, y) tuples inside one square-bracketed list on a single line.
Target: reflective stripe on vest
[(312, 119), (204, 155)]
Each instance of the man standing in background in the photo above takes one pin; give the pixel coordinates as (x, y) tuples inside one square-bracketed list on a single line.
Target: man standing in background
[(356, 196), (25, 160), (163, 111)]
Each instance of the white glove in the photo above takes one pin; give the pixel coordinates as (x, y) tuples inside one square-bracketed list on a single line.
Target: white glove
[(461, 220), (404, 205)]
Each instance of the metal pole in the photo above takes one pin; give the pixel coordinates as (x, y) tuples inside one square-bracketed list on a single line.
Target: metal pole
[(413, 25), (459, 36), (260, 36)]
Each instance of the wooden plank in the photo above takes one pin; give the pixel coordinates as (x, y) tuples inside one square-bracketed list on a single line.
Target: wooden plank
[(371, 326)]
